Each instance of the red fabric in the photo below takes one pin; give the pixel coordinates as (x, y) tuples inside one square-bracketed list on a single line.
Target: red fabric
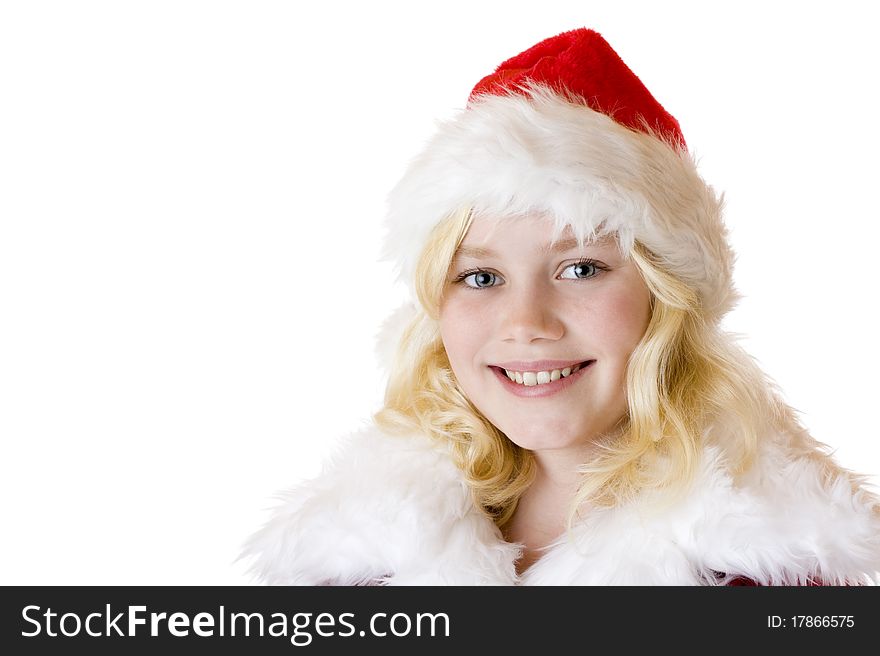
[(582, 62), (743, 580)]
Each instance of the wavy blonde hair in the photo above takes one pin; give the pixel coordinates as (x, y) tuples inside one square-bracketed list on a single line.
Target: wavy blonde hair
[(683, 380)]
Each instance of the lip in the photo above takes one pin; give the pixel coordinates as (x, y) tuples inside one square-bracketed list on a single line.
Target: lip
[(547, 389), (538, 365)]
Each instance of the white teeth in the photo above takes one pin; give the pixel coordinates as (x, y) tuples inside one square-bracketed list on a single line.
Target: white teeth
[(532, 378)]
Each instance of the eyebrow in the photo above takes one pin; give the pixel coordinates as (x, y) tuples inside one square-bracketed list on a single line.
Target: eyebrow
[(558, 247)]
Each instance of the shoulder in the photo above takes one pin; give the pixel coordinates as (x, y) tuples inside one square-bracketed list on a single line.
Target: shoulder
[(383, 504), (795, 517), (791, 518)]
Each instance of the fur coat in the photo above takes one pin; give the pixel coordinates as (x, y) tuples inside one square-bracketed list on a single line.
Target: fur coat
[(394, 510)]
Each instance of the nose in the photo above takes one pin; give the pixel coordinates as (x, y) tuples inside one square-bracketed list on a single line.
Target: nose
[(530, 314)]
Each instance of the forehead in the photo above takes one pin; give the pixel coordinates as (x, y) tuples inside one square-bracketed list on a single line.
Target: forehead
[(488, 236)]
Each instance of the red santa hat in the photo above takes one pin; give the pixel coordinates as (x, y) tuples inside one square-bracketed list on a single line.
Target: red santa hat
[(566, 129)]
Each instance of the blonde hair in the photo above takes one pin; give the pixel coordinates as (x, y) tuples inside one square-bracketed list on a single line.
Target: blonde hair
[(683, 380)]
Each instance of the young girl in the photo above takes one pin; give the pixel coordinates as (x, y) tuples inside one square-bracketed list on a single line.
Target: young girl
[(562, 405)]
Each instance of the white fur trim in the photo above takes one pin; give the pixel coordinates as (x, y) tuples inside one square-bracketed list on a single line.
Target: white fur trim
[(508, 155), (396, 510), (384, 506)]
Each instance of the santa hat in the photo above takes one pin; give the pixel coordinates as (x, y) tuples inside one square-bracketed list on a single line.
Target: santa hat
[(567, 129)]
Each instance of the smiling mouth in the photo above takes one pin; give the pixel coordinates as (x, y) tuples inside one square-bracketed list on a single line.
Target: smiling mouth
[(538, 378)]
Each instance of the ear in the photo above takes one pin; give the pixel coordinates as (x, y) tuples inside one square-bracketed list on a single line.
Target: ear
[(389, 334)]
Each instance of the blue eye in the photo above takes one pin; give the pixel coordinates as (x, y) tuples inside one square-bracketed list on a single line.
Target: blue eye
[(583, 270), (481, 279)]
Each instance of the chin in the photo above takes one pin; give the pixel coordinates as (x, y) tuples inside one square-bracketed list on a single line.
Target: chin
[(541, 442)]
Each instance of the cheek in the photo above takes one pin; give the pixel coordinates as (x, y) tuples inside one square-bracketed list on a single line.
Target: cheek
[(462, 329), (620, 320)]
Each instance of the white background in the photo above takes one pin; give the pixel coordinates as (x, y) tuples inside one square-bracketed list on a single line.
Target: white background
[(192, 194)]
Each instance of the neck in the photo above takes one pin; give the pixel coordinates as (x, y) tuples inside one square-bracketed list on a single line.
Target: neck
[(557, 477), (557, 469), (544, 505)]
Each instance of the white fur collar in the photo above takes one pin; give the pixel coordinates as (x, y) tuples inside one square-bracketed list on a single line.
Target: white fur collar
[(397, 507)]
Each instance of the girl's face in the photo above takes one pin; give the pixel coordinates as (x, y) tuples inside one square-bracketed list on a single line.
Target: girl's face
[(569, 316)]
